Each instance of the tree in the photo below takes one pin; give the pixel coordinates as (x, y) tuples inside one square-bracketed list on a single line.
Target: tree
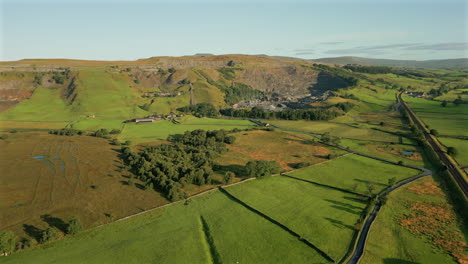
[(452, 151), (391, 181), (444, 104), (458, 101), (434, 132), (73, 226), (228, 177), (370, 188), (48, 234), (7, 242)]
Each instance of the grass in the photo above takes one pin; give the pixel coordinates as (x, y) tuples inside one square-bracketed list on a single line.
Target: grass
[(353, 172), (44, 105), (47, 174), (278, 146), (160, 130), (95, 124), (450, 120), (392, 152), (324, 216), (461, 145), (175, 235), (336, 129), (390, 238)]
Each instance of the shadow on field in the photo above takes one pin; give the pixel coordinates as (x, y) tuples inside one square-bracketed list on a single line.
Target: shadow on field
[(32, 231), (338, 223), (237, 169), (371, 182), (346, 205), (398, 261), (302, 141), (55, 222)]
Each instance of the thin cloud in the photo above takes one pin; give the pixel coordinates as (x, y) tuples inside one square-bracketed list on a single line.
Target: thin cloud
[(331, 43), (305, 53), (383, 49), (441, 46), (304, 50)]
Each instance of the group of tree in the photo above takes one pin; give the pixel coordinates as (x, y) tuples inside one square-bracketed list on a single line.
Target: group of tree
[(187, 160), (289, 114), (369, 69), (237, 92), (200, 110), (261, 168), (66, 132), (9, 241)]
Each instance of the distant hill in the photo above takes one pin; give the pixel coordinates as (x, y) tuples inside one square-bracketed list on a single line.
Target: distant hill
[(435, 64)]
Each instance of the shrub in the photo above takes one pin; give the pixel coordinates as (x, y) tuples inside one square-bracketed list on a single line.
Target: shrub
[(73, 226), (7, 241), (48, 234), (261, 168)]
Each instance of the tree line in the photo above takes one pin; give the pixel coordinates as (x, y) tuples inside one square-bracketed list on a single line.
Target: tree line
[(290, 114)]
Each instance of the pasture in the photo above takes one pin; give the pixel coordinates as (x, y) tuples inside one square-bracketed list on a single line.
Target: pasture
[(286, 149), (461, 145), (416, 225), (354, 173), (64, 176), (450, 120), (176, 234), (336, 129), (324, 216), (160, 130), (409, 154)]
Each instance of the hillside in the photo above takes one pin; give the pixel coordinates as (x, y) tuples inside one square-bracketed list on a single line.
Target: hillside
[(69, 90), (435, 64)]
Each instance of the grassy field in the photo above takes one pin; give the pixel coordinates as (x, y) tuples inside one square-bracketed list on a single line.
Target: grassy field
[(450, 120), (286, 149), (336, 129), (324, 216), (95, 124), (353, 172), (44, 105), (160, 130), (176, 235), (392, 152), (31, 125), (64, 176), (417, 225), (461, 145)]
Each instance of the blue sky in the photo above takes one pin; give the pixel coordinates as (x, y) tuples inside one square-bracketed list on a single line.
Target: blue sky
[(127, 30)]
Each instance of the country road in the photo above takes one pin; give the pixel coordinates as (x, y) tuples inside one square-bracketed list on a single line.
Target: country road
[(451, 167)]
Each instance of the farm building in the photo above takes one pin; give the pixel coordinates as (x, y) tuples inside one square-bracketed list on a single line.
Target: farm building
[(143, 120)]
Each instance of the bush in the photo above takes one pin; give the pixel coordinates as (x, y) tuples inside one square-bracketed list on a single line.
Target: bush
[(73, 226), (261, 168), (229, 177), (7, 241), (48, 234), (452, 151)]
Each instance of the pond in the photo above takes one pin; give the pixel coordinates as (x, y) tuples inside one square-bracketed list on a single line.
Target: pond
[(407, 152)]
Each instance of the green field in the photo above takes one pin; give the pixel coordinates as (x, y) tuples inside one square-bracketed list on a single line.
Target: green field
[(95, 124), (462, 147), (450, 120), (160, 130), (45, 104), (175, 235), (324, 216), (353, 172), (390, 242), (336, 129), (392, 152)]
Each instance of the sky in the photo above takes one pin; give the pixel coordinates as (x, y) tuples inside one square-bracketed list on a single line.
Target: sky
[(129, 30)]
